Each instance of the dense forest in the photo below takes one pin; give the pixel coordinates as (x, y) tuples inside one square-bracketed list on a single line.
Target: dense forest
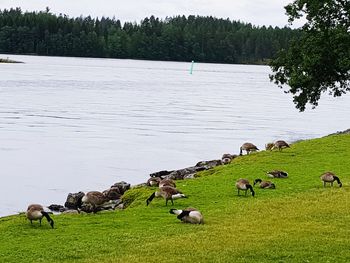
[(180, 38)]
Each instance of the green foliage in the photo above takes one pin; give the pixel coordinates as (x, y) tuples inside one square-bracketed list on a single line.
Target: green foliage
[(180, 38), (299, 221), (319, 59)]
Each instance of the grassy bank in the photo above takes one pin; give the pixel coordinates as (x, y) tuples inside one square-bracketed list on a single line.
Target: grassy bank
[(300, 221)]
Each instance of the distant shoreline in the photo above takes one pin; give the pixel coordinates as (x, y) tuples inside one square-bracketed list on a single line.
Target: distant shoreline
[(256, 63), (7, 60)]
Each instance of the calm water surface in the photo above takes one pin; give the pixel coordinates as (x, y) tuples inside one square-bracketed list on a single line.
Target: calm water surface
[(71, 124)]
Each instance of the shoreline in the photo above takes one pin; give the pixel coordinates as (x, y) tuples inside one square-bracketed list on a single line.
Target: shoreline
[(7, 60), (180, 174), (256, 63)]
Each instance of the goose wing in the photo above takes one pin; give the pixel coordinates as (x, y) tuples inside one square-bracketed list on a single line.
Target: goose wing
[(170, 190)]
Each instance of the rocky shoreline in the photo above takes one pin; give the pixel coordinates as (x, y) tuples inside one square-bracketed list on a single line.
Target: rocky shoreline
[(114, 194), (74, 204)]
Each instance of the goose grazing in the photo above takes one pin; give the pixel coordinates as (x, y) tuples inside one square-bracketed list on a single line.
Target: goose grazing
[(264, 184), (269, 146), (243, 184), (330, 177), (226, 158), (248, 147), (36, 212), (153, 181), (94, 198), (188, 215), (277, 174), (167, 182), (280, 145), (168, 193)]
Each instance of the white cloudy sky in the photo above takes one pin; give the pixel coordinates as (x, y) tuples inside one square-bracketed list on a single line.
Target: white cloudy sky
[(257, 12)]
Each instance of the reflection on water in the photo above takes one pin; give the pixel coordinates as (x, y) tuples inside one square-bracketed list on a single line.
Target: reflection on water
[(71, 124)]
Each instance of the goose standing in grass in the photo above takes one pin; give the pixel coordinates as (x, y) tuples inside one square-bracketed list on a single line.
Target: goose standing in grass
[(188, 215), (248, 147), (280, 145), (94, 198), (168, 193), (264, 184), (244, 185), (36, 212), (330, 177), (277, 174)]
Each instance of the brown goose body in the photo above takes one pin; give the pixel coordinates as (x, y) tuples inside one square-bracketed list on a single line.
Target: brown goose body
[(36, 212), (277, 174), (329, 177), (167, 182), (153, 181), (280, 145), (95, 198), (244, 185), (188, 215), (168, 193), (264, 184), (248, 147)]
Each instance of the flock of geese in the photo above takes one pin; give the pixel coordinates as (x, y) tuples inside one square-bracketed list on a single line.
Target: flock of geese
[(167, 189)]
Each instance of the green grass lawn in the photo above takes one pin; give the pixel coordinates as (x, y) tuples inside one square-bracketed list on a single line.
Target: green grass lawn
[(299, 221)]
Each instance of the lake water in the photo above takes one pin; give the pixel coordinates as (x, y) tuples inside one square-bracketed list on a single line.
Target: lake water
[(80, 124)]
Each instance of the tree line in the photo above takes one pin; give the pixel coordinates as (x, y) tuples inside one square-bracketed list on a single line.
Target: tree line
[(179, 38)]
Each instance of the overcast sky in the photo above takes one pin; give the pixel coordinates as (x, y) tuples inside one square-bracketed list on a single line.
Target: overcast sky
[(257, 12)]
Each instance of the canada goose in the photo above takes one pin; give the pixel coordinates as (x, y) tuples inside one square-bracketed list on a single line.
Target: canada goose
[(168, 193), (243, 184), (36, 212), (112, 193), (330, 177), (167, 182), (226, 160), (277, 174), (264, 184), (269, 146), (227, 155), (153, 181), (94, 198), (280, 145), (248, 147), (188, 215)]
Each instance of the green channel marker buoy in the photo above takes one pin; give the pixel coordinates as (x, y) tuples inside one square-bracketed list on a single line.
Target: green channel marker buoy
[(191, 67)]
